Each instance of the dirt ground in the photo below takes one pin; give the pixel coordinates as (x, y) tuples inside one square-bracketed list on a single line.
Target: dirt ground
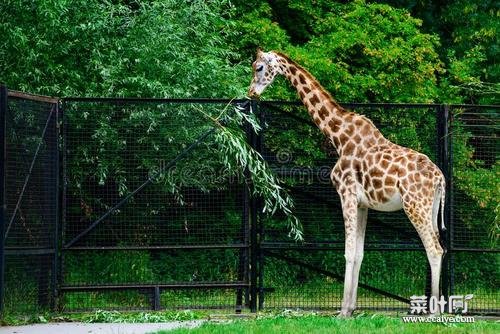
[(96, 328)]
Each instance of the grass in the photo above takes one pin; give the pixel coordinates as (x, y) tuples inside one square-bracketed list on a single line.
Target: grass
[(283, 322), (100, 316), (310, 323)]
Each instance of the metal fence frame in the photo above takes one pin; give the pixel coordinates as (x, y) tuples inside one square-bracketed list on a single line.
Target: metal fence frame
[(48, 111), (252, 291)]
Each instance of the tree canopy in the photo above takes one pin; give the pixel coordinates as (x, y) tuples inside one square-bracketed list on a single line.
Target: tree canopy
[(398, 51)]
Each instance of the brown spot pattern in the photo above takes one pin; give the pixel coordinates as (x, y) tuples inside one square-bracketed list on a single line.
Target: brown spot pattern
[(322, 112), (348, 148), (314, 100)]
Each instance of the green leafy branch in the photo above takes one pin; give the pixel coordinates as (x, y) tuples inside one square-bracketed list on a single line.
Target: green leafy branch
[(239, 155)]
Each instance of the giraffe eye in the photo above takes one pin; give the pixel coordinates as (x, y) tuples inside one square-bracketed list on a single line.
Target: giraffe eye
[(259, 68)]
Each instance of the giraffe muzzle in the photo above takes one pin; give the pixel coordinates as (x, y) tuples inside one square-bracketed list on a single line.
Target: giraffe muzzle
[(252, 94)]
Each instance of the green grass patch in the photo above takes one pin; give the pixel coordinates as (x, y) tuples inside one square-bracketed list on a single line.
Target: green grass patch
[(310, 323), (107, 317)]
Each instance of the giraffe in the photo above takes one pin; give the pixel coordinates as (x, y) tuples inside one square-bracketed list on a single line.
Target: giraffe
[(371, 172)]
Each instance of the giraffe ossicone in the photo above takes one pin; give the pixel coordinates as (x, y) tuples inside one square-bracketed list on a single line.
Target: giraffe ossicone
[(371, 172)]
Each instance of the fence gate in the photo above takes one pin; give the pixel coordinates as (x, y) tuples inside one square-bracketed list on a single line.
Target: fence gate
[(29, 194), (159, 227)]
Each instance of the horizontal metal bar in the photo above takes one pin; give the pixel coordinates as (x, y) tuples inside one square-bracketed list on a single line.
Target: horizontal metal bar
[(157, 100), (33, 97), (29, 251), (270, 102), (479, 250), (224, 285), (164, 247), (362, 105), (338, 247), (476, 106), (302, 171)]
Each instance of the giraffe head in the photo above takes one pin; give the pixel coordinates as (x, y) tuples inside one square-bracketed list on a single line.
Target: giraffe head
[(265, 69)]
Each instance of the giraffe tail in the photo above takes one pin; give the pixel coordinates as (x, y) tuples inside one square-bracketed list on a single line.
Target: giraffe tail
[(442, 186)]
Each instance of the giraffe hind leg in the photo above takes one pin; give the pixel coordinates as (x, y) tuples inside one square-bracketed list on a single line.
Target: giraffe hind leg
[(422, 219)]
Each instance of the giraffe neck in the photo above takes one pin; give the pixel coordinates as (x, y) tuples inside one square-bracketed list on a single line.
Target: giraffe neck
[(345, 129)]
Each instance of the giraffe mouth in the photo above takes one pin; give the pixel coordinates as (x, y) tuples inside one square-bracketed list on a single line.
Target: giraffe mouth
[(253, 94)]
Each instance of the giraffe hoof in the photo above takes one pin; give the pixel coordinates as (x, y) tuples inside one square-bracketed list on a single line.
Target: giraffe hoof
[(345, 314)]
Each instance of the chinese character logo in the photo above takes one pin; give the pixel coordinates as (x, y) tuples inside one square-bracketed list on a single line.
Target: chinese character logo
[(418, 304), (456, 304)]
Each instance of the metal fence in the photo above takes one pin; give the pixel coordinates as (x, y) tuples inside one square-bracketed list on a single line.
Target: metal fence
[(146, 209), (29, 194), (151, 217)]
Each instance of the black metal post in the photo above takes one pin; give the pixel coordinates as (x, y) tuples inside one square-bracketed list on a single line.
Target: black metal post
[(156, 298), (445, 162), (244, 252), (448, 212), (57, 199), (253, 231), (3, 211), (243, 270), (64, 185), (261, 259)]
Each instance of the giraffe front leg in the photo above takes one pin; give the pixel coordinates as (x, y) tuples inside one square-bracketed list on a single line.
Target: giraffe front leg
[(360, 247), (349, 208)]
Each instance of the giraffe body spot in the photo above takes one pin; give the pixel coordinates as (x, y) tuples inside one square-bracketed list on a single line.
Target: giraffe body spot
[(377, 183), (375, 172), (302, 78), (314, 100), (345, 164), (336, 141), (390, 181), (350, 130), (348, 148), (323, 112), (333, 123), (349, 117), (384, 164), (360, 152), (365, 131), (369, 142), (343, 138)]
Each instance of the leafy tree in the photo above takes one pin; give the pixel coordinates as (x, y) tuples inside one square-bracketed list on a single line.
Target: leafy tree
[(473, 49), (100, 48)]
